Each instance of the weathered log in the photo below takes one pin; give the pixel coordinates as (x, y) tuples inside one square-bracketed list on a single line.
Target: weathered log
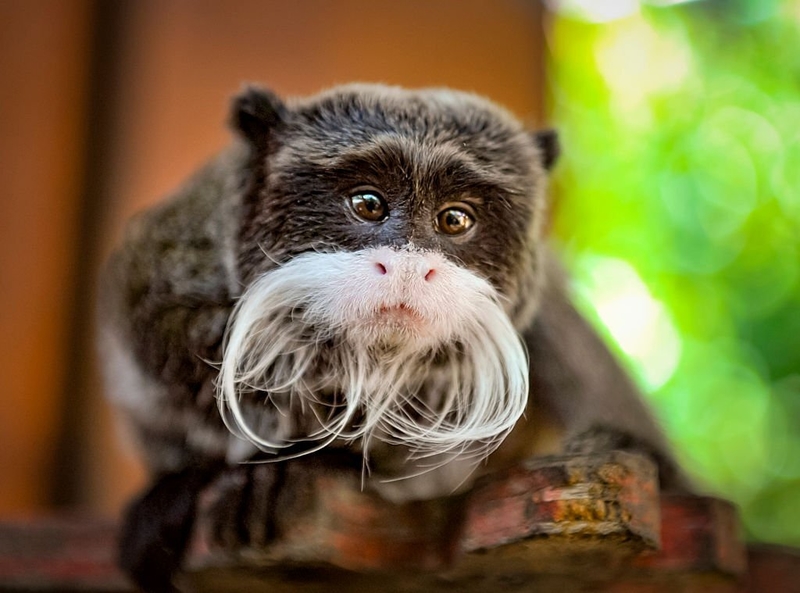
[(569, 524)]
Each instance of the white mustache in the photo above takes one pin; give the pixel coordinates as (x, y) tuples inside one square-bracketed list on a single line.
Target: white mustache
[(452, 381)]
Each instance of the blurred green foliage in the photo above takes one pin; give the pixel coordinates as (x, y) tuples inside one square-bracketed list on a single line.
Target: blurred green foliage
[(678, 210)]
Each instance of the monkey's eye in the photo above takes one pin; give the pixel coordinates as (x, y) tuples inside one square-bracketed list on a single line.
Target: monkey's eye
[(454, 220), (369, 205)]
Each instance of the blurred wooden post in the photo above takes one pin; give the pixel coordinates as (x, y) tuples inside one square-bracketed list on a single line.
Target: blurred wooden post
[(44, 56)]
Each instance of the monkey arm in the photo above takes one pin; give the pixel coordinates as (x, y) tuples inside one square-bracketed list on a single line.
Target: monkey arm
[(576, 381), (165, 299)]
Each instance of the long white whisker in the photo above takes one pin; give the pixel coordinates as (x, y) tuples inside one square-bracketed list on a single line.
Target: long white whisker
[(300, 336)]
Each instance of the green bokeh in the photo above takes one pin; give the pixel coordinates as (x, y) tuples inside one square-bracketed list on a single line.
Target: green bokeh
[(678, 210)]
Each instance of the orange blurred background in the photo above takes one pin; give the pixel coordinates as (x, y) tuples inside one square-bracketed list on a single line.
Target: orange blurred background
[(107, 106)]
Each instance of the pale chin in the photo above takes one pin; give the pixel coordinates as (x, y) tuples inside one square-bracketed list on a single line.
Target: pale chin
[(419, 350), (395, 327)]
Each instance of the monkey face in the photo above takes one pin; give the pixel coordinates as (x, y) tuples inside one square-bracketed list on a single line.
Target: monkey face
[(366, 166), (388, 238)]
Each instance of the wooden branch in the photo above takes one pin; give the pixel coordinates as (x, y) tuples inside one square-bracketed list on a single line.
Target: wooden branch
[(589, 523), (557, 522)]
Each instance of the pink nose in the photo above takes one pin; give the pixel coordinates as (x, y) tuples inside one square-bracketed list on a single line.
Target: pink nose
[(387, 266)]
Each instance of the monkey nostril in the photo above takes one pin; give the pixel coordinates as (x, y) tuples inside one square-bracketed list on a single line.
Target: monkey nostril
[(381, 268), (431, 273)]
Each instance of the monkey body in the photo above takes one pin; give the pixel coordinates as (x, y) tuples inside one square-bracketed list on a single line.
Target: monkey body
[(365, 270)]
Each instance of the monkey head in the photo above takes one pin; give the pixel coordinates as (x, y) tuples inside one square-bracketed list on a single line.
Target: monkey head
[(389, 252)]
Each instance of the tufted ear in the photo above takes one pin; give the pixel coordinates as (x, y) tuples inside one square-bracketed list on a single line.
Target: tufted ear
[(549, 146), (256, 113)]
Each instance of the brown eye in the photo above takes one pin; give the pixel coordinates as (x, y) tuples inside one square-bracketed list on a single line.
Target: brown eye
[(454, 221), (369, 205)]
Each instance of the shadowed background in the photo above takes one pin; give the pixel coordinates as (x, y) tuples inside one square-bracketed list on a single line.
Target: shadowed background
[(677, 200)]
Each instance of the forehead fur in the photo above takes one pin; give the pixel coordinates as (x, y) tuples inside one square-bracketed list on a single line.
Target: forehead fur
[(422, 111), (358, 115)]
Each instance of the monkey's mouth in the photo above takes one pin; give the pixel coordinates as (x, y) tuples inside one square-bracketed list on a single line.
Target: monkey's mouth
[(400, 316), (401, 311)]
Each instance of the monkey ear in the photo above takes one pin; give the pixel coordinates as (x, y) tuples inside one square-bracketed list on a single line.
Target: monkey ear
[(255, 114), (549, 146)]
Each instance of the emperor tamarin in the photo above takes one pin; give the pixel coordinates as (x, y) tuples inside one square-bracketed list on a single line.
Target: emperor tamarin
[(364, 269)]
